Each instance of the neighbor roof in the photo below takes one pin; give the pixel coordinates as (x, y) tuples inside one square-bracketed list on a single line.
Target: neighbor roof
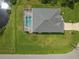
[(47, 20)]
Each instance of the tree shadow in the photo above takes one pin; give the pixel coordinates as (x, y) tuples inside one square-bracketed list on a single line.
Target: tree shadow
[(2, 31)]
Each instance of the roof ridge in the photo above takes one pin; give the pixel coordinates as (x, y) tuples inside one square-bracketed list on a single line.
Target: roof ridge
[(46, 20)]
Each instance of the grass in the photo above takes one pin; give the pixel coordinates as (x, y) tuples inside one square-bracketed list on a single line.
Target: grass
[(70, 15), (7, 39), (42, 43), (15, 41)]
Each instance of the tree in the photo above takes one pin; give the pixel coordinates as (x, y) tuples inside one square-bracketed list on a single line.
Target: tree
[(53, 1), (44, 1), (71, 4), (13, 2), (49, 1), (28, 0), (76, 0), (64, 3), (68, 3)]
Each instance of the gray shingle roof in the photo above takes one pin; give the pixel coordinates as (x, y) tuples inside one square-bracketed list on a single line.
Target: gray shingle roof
[(47, 20)]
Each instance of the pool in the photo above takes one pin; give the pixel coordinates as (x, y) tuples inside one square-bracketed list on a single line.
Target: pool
[(4, 17), (28, 20)]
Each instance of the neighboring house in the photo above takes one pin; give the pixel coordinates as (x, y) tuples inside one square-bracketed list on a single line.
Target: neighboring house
[(43, 20)]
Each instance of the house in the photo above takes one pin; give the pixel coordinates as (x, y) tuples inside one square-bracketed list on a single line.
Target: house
[(43, 20)]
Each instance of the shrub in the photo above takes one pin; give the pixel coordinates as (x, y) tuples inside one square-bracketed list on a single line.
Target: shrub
[(71, 4), (44, 1), (13, 2)]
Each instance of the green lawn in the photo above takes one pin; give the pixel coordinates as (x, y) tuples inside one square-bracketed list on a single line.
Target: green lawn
[(7, 39), (70, 15), (15, 41), (42, 43)]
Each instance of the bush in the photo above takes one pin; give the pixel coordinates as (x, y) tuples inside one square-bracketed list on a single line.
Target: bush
[(63, 4), (44, 1), (13, 2), (49, 1), (68, 3), (71, 4), (54, 1), (76, 0), (28, 0), (9, 11)]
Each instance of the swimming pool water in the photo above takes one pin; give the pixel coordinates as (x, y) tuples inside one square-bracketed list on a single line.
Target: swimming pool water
[(28, 20)]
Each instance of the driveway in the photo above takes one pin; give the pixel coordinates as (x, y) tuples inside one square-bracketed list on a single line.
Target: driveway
[(71, 26)]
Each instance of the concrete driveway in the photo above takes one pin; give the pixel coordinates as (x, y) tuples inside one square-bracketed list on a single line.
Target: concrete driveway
[(71, 26)]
